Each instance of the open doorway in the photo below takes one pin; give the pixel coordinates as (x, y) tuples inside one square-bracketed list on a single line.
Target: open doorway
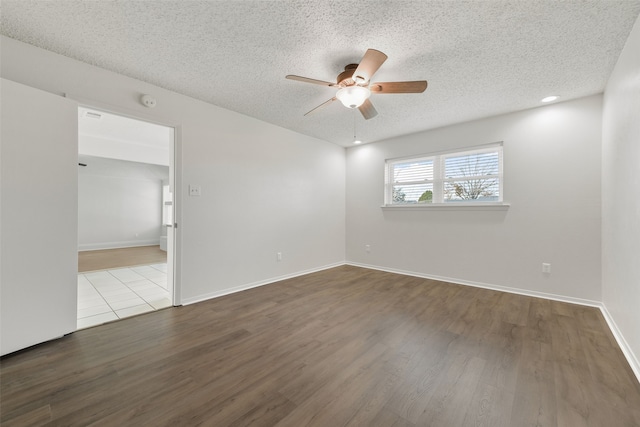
[(125, 217)]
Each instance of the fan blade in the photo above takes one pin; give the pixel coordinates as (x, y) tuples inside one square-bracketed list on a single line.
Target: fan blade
[(418, 86), (308, 80), (371, 61), (368, 110), (321, 105)]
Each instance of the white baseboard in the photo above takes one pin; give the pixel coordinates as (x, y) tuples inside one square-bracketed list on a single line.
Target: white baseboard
[(624, 346), (518, 291), (117, 245), (244, 287)]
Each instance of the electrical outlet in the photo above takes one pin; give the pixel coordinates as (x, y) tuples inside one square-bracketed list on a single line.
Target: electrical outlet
[(546, 268), (279, 256), (195, 190), (367, 248)]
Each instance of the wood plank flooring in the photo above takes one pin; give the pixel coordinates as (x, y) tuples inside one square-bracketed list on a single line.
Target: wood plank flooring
[(342, 347), (122, 257)]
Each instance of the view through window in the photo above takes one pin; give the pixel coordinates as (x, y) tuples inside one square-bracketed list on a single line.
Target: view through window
[(470, 175)]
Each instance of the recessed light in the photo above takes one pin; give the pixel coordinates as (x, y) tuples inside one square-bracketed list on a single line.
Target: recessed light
[(549, 98)]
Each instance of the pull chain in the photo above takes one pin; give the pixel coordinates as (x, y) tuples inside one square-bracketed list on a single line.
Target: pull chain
[(355, 138), (354, 126)]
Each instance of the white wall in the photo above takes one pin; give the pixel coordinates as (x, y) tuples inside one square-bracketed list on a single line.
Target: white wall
[(118, 137), (119, 203), (621, 197), (126, 150), (265, 189), (551, 180)]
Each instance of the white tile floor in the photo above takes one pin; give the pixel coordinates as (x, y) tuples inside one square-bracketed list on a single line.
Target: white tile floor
[(109, 295)]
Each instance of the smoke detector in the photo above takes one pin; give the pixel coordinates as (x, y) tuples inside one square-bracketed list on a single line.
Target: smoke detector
[(148, 101)]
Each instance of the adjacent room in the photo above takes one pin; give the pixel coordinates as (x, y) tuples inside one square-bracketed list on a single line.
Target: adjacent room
[(386, 213), (125, 207)]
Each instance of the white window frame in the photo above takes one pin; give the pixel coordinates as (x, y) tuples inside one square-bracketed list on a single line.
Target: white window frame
[(439, 180)]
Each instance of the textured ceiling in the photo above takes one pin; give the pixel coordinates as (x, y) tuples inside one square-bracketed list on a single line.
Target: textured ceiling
[(481, 58)]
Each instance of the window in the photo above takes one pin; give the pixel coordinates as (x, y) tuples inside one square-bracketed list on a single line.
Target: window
[(469, 176), (167, 205)]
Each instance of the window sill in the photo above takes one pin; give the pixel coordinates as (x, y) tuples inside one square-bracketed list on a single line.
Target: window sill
[(457, 206)]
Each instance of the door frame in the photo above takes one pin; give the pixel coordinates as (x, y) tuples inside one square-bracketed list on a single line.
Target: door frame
[(175, 166)]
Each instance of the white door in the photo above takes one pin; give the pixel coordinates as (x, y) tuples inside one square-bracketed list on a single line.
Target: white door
[(38, 216)]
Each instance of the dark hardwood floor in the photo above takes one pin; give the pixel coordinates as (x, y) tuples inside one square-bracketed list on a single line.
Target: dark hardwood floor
[(342, 347)]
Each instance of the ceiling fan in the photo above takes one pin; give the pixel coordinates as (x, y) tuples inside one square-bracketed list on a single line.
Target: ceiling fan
[(355, 87)]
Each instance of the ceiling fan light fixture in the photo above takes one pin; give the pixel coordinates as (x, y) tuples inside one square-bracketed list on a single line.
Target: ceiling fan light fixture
[(353, 88), (353, 96)]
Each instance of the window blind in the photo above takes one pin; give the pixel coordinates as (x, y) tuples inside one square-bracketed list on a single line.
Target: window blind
[(471, 175)]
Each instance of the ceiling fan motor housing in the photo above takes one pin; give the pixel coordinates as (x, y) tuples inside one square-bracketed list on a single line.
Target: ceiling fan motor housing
[(344, 78)]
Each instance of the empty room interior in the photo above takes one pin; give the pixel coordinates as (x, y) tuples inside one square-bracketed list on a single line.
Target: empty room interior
[(125, 216), (380, 213)]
